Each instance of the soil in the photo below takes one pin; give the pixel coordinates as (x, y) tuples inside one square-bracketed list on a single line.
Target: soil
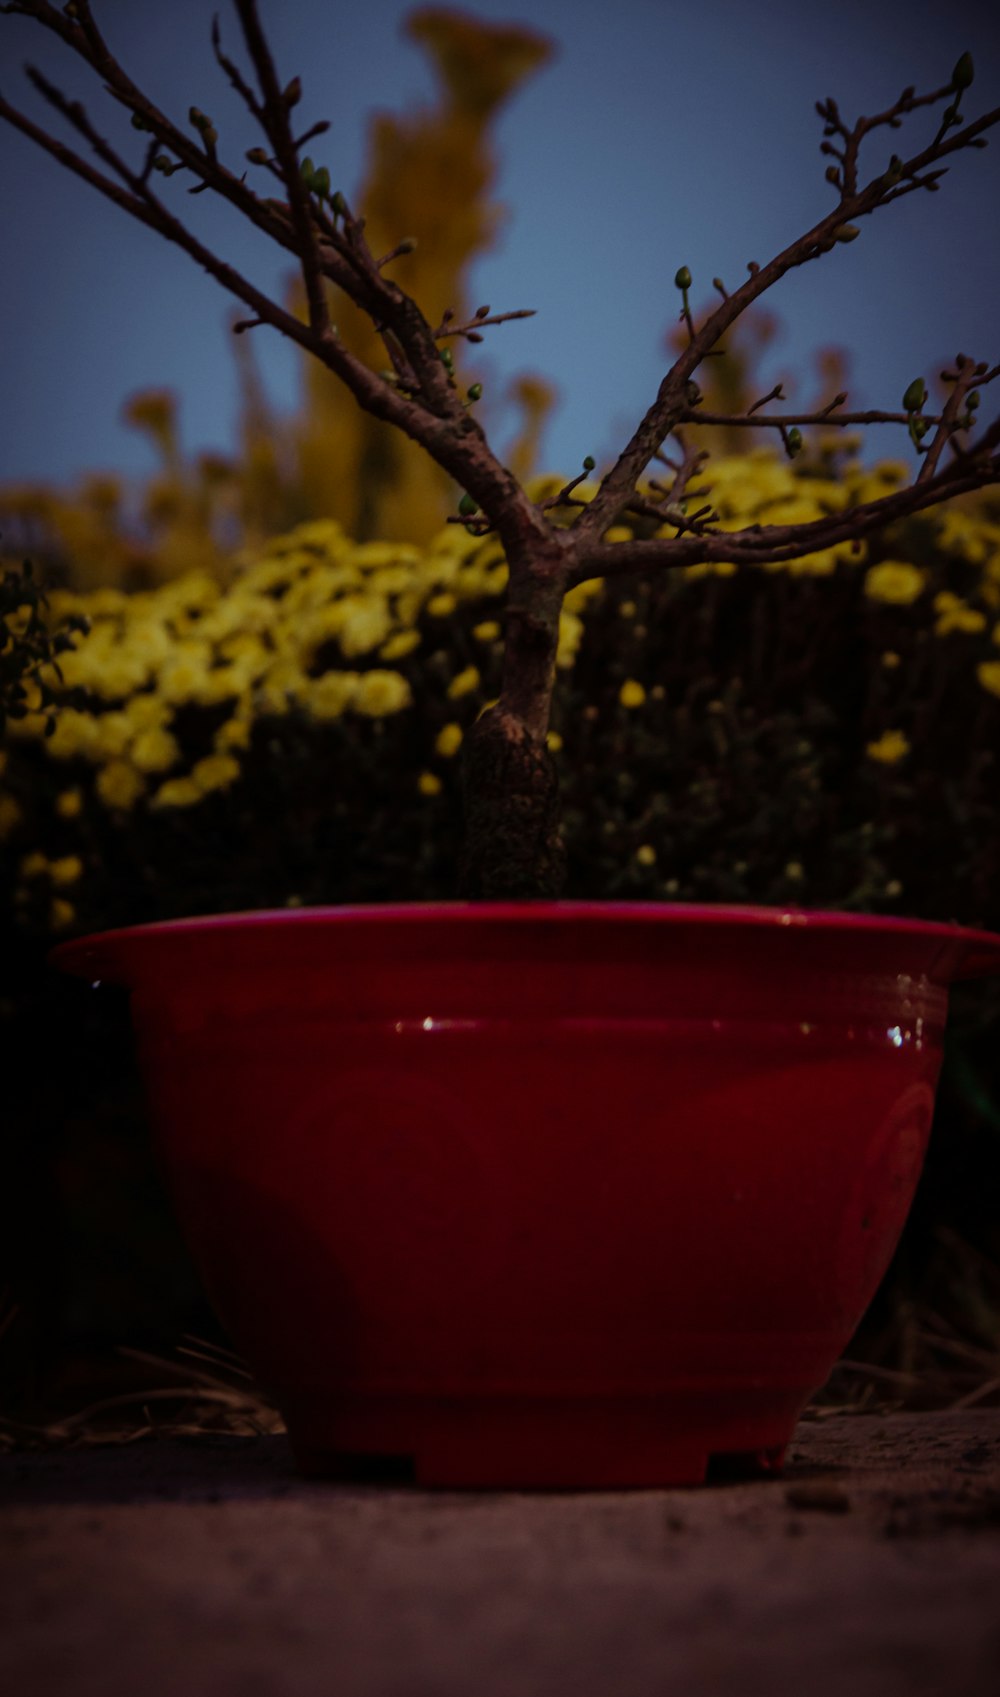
[(207, 1568)]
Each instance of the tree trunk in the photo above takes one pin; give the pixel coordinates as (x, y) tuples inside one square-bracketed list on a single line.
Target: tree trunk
[(513, 849)]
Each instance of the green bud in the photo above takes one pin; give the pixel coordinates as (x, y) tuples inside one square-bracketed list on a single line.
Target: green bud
[(964, 72), (139, 122), (921, 427), (198, 118), (950, 116), (589, 463), (338, 203), (847, 233), (682, 278), (793, 441), (467, 506), (973, 400), (307, 170), (321, 181), (293, 93), (209, 135), (258, 156), (915, 395), (475, 391), (447, 358), (895, 170)]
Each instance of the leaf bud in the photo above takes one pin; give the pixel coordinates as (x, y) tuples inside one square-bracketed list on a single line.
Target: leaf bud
[(307, 170), (447, 359), (915, 395), (293, 93), (682, 279), (321, 181), (467, 506), (832, 175), (258, 155), (895, 170), (139, 122), (198, 118), (973, 400), (964, 72), (338, 203), (475, 391), (793, 441), (847, 233), (589, 462), (482, 311)]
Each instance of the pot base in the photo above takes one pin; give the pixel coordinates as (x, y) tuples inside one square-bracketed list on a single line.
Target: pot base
[(523, 1443)]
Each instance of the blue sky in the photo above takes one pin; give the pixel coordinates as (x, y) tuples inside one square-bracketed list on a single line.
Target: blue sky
[(663, 134)]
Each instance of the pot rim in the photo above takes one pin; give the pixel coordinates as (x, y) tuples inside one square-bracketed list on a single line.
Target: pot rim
[(980, 950)]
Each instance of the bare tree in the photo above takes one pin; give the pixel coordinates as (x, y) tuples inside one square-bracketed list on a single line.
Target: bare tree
[(513, 845)]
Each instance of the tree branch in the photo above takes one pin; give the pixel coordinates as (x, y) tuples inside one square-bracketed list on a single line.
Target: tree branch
[(767, 544), (673, 401)]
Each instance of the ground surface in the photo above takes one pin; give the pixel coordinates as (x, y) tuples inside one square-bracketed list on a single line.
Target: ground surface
[(207, 1569)]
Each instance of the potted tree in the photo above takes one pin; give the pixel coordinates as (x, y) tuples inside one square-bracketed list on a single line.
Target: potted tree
[(532, 1191)]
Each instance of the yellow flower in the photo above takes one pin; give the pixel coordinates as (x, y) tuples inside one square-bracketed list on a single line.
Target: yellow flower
[(553, 742), (75, 733), (618, 533), (10, 815), (646, 855), (894, 581), (146, 710), (890, 660), (380, 693), (69, 805), (631, 693), (119, 785), (366, 623), (890, 747), (61, 914), (155, 750), (235, 733), (464, 683), (66, 870), (114, 733), (429, 784), (439, 606), (989, 676), (185, 673), (488, 631), (449, 740), (332, 694), (570, 637), (398, 646), (177, 792), (955, 614), (215, 772)]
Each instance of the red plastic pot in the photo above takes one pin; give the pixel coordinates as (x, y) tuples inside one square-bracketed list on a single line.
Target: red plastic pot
[(540, 1194)]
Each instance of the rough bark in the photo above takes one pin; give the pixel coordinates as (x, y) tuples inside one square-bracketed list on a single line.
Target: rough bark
[(510, 791)]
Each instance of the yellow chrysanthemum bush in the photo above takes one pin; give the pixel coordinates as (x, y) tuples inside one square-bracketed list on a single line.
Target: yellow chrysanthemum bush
[(824, 731)]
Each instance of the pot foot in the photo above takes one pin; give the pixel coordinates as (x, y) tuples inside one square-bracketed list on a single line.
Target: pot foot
[(527, 1444)]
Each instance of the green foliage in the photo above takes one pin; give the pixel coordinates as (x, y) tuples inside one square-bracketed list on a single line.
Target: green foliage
[(29, 670)]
